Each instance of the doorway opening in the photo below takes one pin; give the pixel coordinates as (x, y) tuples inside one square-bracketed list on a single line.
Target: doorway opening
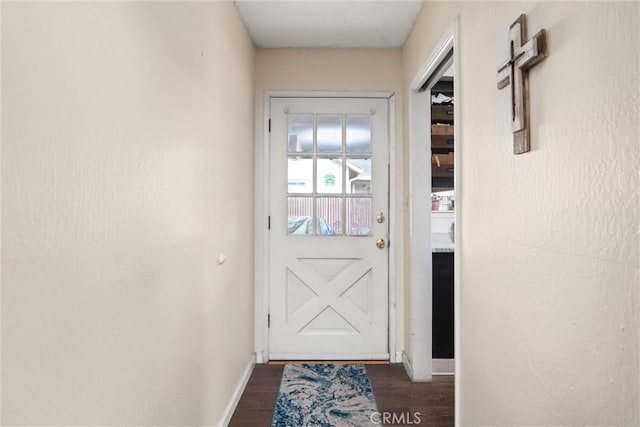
[(442, 95), (434, 213), (327, 290)]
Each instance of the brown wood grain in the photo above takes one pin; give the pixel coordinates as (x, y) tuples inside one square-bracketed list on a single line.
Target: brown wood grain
[(394, 393)]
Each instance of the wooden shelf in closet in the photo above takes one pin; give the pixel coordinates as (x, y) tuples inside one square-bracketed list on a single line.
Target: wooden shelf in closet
[(442, 164), (442, 141), (442, 147), (442, 113)]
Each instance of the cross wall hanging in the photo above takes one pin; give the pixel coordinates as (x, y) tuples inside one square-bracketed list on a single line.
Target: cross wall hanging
[(523, 54)]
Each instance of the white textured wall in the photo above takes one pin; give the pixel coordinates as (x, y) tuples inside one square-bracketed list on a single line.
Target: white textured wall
[(127, 166), (327, 70), (550, 239)]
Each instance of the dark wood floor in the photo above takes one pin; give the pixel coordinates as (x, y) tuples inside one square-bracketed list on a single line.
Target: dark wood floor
[(394, 393)]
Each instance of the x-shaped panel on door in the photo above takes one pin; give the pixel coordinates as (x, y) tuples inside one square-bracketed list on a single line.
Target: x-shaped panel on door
[(328, 296)]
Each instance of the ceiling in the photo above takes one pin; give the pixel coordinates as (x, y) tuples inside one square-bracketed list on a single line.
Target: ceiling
[(329, 24)]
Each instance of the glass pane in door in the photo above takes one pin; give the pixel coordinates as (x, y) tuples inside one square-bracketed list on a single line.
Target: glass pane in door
[(300, 133), (359, 216), (299, 175), (329, 175), (358, 134), (329, 133), (329, 211), (358, 175), (300, 215)]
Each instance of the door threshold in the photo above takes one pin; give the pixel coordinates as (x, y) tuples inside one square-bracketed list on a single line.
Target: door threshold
[(332, 362)]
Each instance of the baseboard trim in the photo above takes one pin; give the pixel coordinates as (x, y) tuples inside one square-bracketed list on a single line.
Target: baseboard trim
[(407, 364), (443, 366), (237, 393), (398, 358)]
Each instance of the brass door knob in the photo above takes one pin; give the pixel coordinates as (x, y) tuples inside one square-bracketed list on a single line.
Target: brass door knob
[(380, 218), (380, 243)]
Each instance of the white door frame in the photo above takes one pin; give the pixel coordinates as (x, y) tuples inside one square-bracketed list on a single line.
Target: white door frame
[(268, 96), (418, 362)]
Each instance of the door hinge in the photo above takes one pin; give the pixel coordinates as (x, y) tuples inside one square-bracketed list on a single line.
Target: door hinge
[(268, 320), (269, 222), (269, 125)]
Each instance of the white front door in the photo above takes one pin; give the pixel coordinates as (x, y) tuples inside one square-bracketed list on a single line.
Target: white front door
[(328, 279)]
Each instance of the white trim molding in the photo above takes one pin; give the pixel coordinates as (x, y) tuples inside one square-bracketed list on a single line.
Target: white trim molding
[(418, 362), (437, 56), (420, 302), (264, 215), (392, 178), (443, 367), (237, 393), (326, 94), (407, 364), (457, 265)]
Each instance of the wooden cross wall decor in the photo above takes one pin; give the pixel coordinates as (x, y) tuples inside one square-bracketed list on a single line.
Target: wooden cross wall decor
[(523, 55)]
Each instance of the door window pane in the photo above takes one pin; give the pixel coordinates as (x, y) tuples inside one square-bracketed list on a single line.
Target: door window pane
[(300, 133), (358, 134), (359, 216), (329, 133), (300, 215), (299, 175), (358, 176), (329, 211), (329, 176)]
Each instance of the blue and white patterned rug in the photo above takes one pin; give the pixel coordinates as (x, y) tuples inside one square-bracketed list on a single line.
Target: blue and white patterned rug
[(324, 395)]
